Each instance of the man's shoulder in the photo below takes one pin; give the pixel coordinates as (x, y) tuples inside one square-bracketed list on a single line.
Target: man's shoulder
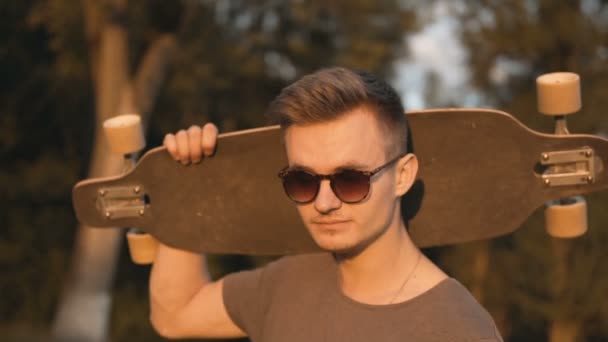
[(450, 294), (459, 311)]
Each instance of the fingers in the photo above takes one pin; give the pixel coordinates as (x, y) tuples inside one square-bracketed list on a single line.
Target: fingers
[(191, 145), (183, 149), (194, 143), (171, 144), (209, 139)]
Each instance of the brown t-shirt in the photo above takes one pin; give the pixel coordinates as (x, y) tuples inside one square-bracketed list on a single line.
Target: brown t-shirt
[(297, 298)]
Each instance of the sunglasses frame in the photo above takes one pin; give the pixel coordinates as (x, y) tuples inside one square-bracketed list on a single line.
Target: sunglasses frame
[(318, 178)]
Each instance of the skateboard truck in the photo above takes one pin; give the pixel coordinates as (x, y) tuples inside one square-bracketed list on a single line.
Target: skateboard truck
[(121, 201), (572, 167), (559, 95), (125, 136)]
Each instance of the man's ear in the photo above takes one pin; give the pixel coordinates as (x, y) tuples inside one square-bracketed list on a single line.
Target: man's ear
[(407, 169)]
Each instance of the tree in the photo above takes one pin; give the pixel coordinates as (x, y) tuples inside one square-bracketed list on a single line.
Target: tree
[(84, 310)]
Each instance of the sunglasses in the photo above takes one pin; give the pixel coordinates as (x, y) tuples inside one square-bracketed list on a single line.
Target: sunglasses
[(350, 186)]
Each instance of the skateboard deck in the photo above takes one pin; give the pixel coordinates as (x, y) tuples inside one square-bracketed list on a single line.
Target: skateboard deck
[(480, 176)]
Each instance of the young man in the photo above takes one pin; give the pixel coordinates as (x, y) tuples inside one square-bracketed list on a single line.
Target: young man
[(345, 136)]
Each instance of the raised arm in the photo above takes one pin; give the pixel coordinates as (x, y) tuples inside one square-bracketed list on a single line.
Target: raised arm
[(184, 302)]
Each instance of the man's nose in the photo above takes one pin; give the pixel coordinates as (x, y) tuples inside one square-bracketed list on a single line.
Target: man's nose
[(326, 200)]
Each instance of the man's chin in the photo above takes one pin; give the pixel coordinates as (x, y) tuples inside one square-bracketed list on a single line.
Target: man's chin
[(330, 244), (339, 248)]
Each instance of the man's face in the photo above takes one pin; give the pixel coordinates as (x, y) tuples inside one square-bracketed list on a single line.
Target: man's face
[(352, 141)]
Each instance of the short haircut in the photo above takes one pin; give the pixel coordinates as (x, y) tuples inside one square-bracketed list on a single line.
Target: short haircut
[(331, 93)]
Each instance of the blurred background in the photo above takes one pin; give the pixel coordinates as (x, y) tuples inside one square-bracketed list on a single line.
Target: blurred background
[(67, 65)]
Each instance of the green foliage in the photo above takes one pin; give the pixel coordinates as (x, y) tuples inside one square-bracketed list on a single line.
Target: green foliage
[(525, 39), (250, 49), (42, 144)]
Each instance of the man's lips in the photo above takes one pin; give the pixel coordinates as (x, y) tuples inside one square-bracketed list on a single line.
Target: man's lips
[(329, 222)]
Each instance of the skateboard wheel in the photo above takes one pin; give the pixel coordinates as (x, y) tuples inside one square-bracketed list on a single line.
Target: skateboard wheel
[(566, 220), (125, 134), (142, 247), (559, 93)]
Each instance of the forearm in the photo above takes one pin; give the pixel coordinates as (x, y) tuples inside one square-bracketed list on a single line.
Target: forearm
[(184, 302), (176, 277)]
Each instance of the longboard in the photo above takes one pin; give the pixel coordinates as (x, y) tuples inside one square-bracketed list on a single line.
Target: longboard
[(482, 173)]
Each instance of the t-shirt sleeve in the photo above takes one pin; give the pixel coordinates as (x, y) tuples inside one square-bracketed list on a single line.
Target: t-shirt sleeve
[(497, 337), (246, 297), (242, 299)]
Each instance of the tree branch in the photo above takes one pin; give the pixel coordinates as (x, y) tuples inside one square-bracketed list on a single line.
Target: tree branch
[(151, 74)]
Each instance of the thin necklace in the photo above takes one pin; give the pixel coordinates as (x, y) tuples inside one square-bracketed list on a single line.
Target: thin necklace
[(409, 276)]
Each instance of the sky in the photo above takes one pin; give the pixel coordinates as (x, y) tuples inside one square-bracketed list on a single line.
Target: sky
[(435, 49)]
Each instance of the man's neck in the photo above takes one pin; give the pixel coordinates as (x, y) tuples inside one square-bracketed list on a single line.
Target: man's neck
[(378, 273)]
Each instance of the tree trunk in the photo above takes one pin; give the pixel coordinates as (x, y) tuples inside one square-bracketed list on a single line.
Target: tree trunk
[(480, 267), (564, 331), (83, 313), (481, 263)]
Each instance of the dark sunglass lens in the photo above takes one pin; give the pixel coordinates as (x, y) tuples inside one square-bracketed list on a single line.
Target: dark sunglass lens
[(300, 186), (350, 185)]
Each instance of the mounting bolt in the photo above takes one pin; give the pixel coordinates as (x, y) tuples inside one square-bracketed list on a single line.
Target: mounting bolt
[(141, 212), (102, 192), (545, 156), (588, 153), (589, 179), (108, 214), (547, 182), (137, 189)]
